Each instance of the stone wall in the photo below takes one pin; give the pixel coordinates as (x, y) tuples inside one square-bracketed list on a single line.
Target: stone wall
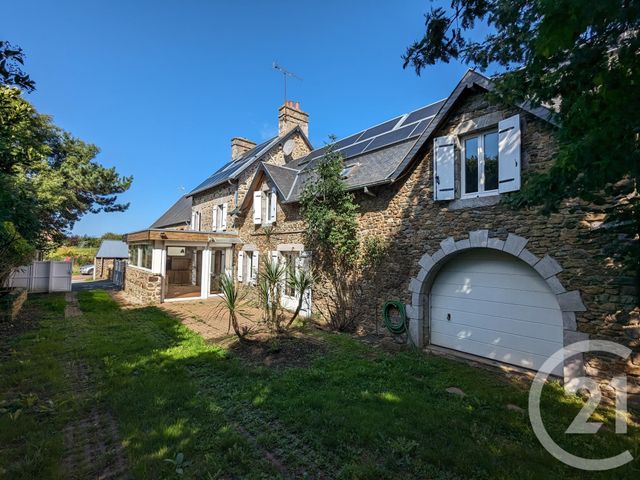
[(142, 286), (406, 216), (204, 202), (103, 267), (288, 227)]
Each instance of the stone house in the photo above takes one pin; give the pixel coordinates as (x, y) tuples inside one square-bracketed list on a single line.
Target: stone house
[(479, 278)]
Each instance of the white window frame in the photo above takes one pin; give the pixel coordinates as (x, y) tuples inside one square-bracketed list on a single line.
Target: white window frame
[(481, 191), (294, 256), (247, 267), (138, 264), (267, 206)]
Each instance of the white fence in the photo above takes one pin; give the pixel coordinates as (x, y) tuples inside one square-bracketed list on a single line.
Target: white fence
[(119, 269), (48, 276)]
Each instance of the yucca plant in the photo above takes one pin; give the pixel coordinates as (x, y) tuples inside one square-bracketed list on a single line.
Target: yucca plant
[(300, 282), (270, 281), (234, 303)]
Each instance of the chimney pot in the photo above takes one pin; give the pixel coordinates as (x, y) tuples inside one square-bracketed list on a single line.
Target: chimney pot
[(290, 116)]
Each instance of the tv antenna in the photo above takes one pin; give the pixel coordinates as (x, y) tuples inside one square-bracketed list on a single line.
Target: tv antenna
[(285, 73)]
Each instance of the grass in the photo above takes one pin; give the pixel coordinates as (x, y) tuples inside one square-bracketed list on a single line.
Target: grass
[(354, 412)]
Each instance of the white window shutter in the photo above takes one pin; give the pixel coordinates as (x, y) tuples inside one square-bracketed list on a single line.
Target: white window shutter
[(254, 267), (214, 219), (224, 216), (444, 168), (193, 220), (240, 265), (275, 257), (274, 207), (257, 208), (509, 154)]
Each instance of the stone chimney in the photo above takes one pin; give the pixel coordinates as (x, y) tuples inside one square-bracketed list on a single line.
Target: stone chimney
[(290, 116), (240, 146)]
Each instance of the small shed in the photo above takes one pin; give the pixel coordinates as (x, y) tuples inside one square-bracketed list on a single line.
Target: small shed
[(109, 251)]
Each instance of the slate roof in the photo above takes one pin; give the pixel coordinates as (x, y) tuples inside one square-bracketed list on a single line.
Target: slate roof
[(232, 169), (282, 177), (372, 155), (179, 213), (380, 154), (113, 249)]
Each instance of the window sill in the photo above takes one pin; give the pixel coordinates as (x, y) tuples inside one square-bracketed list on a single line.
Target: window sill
[(474, 202), (492, 193)]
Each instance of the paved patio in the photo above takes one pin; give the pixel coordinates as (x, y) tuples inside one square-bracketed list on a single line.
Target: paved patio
[(209, 318)]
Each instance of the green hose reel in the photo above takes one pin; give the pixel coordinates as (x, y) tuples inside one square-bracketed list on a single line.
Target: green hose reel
[(398, 326)]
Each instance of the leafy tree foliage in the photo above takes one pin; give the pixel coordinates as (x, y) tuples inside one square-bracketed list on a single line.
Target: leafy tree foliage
[(582, 57), (331, 230), (330, 212), (48, 179), (11, 74)]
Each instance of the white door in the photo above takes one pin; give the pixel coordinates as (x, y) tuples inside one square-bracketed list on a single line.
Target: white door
[(490, 304)]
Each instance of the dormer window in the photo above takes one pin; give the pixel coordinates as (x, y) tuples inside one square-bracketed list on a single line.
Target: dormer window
[(265, 207)]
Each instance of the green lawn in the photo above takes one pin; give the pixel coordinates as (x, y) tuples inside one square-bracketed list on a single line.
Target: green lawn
[(352, 412)]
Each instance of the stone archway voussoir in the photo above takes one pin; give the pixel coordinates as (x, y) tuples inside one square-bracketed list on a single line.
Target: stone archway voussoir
[(547, 267)]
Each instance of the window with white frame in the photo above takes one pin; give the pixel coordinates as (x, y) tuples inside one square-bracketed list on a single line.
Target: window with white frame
[(145, 256), (270, 206), (140, 255), (248, 266), (489, 162), (289, 260), (133, 255), (480, 164)]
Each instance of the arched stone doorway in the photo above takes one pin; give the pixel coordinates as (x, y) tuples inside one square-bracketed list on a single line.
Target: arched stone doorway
[(545, 268)]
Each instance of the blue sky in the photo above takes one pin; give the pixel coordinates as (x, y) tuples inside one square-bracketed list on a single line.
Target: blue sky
[(162, 86)]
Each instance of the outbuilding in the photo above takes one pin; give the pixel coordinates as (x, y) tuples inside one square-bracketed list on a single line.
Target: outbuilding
[(108, 253)]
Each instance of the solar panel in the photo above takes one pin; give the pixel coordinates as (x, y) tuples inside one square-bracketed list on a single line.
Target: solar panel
[(422, 113), (391, 137), (354, 149), (414, 124), (421, 127), (382, 128), (345, 142), (229, 169)]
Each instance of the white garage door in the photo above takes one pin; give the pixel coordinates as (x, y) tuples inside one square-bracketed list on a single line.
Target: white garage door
[(490, 304)]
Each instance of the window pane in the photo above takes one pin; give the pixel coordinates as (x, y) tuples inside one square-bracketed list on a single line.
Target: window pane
[(491, 161), (289, 272), (145, 260), (471, 165), (133, 255)]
